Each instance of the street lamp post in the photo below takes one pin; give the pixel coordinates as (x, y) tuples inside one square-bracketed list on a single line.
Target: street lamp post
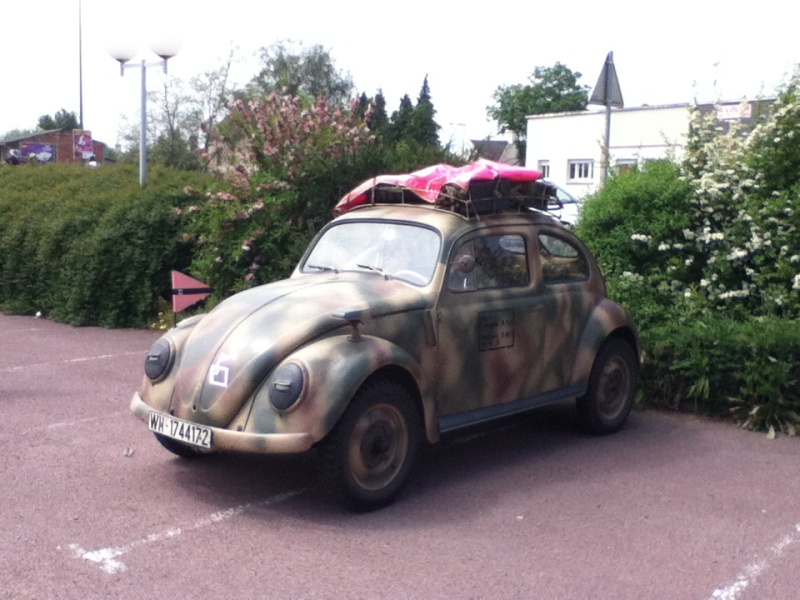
[(123, 56)]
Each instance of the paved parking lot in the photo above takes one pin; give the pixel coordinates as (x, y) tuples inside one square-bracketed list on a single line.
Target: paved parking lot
[(92, 507)]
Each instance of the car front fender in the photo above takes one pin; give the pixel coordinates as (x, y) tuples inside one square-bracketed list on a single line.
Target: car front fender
[(334, 369)]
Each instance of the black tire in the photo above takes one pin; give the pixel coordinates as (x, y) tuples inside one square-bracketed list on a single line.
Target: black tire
[(176, 447), (368, 456), (612, 386)]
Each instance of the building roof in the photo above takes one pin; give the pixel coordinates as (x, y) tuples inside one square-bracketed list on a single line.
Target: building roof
[(29, 136), (490, 149), (705, 106)]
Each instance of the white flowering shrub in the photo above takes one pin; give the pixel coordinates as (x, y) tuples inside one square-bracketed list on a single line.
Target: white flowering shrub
[(706, 256), (744, 234)]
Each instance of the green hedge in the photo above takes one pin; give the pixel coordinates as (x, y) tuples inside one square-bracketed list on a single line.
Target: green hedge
[(739, 357), (720, 366), (88, 246)]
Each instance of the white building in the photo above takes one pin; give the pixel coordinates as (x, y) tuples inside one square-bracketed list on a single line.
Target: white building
[(568, 147)]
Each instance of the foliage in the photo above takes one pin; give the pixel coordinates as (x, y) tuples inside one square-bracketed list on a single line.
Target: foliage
[(718, 366), (400, 124), (282, 161), (286, 159), (410, 124), (423, 128), (623, 226), (377, 117), (17, 133), (775, 159), (706, 255), (61, 120), (173, 149), (551, 90), (182, 118), (290, 68), (88, 246)]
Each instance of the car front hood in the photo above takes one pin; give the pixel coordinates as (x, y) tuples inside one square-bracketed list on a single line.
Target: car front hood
[(231, 350)]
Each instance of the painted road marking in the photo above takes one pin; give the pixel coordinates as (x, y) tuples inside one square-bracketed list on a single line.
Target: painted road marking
[(69, 361), (752, 571), (107, 559), (64, 424)]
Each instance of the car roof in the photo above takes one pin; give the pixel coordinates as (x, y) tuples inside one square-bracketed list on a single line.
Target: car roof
[(447, 220)]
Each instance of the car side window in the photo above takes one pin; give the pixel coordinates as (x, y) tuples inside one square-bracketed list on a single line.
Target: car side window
[(491, 261), (561, 260)]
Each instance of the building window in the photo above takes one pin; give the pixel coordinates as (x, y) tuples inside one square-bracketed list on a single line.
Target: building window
[(580, 170), (544, 168), (623, 165)]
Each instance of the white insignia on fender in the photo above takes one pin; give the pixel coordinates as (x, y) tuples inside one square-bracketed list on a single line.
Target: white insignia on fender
[(218, 374)]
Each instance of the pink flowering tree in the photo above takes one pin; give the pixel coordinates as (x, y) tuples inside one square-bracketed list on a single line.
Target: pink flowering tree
[(285, 161)]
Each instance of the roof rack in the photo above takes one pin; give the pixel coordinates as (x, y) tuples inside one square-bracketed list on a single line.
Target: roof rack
[(482, 198)]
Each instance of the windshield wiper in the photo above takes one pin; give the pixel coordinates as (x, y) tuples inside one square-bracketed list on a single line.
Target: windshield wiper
[(322, 268), (371, 268)]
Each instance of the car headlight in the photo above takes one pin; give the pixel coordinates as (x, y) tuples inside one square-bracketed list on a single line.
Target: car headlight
[(286, 386), (158, 360)]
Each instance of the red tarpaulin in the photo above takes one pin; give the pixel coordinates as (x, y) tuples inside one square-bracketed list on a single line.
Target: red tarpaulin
[(427, 183)]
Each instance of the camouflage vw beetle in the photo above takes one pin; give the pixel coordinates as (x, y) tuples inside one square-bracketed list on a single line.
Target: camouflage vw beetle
[(435, 301)]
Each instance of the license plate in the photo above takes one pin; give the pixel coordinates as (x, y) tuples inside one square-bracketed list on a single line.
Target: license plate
[(178, 429)]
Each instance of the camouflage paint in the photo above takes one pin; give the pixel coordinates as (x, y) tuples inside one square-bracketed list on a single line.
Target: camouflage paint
[(460, 351)]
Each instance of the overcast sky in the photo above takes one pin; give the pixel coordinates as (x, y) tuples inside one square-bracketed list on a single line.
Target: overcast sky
[(665, 52)]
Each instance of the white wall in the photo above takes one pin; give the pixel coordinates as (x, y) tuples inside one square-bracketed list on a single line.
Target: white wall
[(636, 134)]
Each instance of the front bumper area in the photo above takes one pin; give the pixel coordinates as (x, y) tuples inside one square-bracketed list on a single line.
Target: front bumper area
[(226, 440)]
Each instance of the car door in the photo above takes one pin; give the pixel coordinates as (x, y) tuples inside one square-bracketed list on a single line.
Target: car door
[(563, 271), (489, 323)]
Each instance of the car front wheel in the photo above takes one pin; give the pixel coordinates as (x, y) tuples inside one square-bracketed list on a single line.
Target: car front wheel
[(367, 458), (612, 386)]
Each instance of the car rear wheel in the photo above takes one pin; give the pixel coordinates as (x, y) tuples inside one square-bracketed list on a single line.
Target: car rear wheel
[(367, 458), (612, 385), (176, 447)]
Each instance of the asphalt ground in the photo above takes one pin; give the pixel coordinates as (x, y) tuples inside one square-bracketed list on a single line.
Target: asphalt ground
[(671, 507)]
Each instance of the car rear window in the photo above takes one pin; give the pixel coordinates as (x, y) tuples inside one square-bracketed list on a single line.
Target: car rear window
[(561, 260)]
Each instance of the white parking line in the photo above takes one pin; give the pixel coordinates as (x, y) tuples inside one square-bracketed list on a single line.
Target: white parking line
[(752, 571), (107, 559), (38, 429), (71, 361)]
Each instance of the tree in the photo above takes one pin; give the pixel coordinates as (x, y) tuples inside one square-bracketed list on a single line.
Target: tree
[(287, 160), (173, 108), (423, 128), (212, 95), (415, 123), (13, 134), (551, 90), (183, 118), (292, 69), (61, 120), (401, 121), (378, 118)]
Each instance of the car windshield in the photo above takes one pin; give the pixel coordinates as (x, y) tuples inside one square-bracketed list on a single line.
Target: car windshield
[(400, 250), (565, 197)]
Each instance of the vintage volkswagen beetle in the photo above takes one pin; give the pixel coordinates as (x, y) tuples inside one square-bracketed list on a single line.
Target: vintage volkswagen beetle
[(435, 302)]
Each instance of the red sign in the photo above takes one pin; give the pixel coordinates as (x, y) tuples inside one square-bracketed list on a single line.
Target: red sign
[(187, 291)]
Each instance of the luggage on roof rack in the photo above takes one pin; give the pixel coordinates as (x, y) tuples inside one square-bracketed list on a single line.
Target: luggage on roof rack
[(482, 187)]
